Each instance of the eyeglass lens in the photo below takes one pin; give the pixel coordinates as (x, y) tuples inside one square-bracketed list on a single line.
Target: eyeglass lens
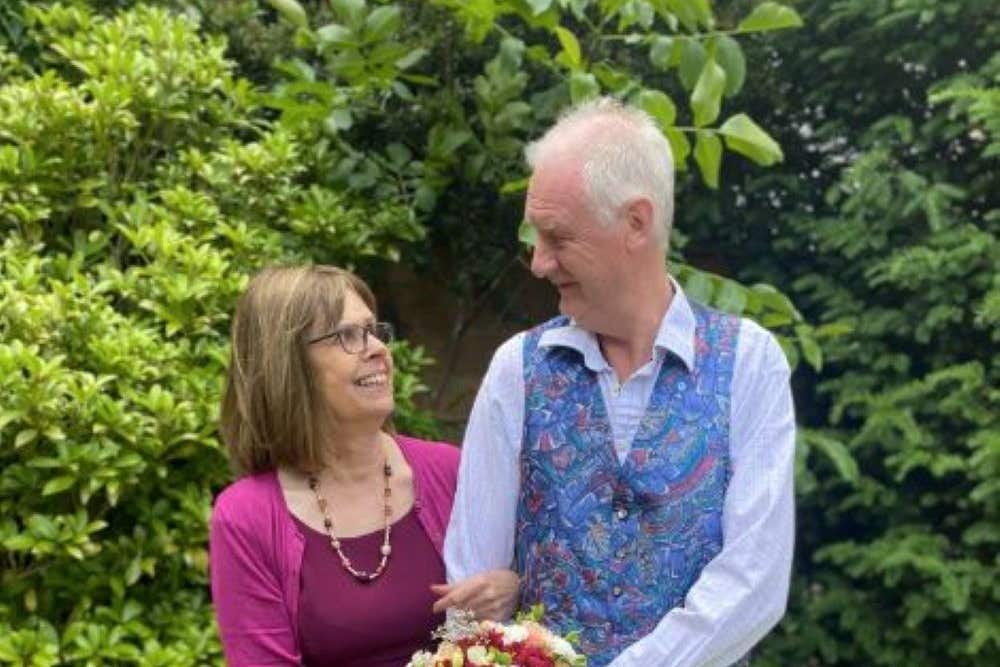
[(354, 338)]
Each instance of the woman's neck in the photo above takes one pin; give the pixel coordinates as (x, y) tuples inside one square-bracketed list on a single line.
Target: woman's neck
[(356, 457)]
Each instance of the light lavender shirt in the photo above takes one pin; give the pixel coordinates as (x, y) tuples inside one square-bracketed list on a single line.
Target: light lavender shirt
[(741, 594)]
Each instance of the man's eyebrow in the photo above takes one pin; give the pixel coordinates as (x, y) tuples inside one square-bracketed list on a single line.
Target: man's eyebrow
[(540, 225)]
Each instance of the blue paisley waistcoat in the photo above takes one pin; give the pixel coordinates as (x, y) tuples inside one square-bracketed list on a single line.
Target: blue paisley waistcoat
[(608, 547)]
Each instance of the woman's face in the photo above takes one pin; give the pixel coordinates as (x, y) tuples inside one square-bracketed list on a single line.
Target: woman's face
[(357, 388)]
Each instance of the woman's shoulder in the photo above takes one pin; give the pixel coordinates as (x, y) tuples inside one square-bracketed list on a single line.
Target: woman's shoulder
[(242, 500), (435, 455)]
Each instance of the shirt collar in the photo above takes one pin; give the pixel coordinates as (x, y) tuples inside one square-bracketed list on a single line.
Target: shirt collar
[(675, 335)]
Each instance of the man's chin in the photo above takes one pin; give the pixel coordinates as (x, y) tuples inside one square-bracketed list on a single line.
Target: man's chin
[(571, 309)]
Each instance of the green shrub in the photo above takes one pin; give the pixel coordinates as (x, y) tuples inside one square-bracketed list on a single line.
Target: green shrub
[(140, 186)]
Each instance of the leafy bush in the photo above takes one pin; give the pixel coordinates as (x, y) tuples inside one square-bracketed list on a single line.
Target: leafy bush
[(885, 219), (140, 185)]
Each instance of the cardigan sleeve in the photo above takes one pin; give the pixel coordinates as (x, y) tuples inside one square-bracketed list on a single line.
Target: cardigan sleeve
[(246, 591)]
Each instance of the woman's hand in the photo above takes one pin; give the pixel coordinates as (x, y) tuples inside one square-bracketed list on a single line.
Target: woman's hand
[(490, 595)]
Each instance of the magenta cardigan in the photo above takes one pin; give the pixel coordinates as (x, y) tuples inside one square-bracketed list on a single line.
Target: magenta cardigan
[(256, 552)]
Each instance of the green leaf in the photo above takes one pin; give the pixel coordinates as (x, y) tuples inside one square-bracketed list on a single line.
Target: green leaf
[(20, 542), (730, 57), (812, 352), (527, 234), (732, 297), (837, 453), (383, 21), (351, 11), (570, 47), (699, 286), (134, 571), (340, 119), (291, 11), (692, 61), (24, 437), (31, 600), (770, 16), (791, 352), (58, 484), (583, 86), (539, 6), (334, 33), (679, 146), (664, 52), (745, 137), (412, 57), (707, 95), (444, 140), (510, 187), (708, 155), (658, 105)]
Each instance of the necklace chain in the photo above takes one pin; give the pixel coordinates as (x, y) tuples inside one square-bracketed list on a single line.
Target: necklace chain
[(385, 550)]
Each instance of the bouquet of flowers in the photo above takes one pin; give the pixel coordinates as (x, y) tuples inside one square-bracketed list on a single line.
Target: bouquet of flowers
[(466, 642)]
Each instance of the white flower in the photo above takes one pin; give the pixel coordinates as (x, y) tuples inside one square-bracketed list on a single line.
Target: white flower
[(514, 633), (562, 648), (421, 659), (478, 655)]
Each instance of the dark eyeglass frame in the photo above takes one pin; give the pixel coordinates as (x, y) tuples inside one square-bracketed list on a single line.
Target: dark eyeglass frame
[(383, 331)]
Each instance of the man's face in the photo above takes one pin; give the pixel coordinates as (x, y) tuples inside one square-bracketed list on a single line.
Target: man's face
[(574, 252)]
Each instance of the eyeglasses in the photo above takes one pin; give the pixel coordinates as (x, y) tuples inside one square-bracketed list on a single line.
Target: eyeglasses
[(353, 338)]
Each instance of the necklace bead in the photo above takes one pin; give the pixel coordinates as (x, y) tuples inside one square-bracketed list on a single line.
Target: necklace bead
[(386, 548)]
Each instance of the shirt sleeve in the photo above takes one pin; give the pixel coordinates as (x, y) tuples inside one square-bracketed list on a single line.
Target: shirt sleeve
[(742, 593), (481, 530), (249, 604)]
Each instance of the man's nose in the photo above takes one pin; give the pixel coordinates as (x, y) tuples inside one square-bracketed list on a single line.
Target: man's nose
[(542, 261)]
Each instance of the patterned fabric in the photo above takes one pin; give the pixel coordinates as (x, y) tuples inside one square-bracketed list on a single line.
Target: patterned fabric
[(610, 548)]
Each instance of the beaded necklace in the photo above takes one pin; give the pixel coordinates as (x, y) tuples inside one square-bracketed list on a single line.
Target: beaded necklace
[(386, 549)]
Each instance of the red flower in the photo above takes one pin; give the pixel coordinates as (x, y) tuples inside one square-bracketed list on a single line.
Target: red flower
[(532, 656)]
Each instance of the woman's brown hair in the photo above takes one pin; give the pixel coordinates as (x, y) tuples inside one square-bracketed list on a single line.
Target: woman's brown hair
[(271, 407)]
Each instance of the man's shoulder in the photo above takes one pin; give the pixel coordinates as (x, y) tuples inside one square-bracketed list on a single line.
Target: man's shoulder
[(748, 329), (759, 349)]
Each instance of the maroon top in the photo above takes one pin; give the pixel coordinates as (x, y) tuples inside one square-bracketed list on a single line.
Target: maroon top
[(386, 620), (256, 554)]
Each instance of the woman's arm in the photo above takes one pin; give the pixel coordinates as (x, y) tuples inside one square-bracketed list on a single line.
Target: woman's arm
[(246, 591)]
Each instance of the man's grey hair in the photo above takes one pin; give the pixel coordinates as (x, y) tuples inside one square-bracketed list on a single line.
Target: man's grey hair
[(624, 155)]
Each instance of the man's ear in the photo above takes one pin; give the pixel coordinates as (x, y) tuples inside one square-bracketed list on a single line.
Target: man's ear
[(639, 222)]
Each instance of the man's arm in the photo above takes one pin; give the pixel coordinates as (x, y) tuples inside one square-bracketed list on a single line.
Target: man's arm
[(480, 533), (742, 593)]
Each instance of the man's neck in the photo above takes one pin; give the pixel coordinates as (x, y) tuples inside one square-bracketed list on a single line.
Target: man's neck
[(631, 347)]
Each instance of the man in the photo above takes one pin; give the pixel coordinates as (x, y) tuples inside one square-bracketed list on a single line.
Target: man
[(632, 460)]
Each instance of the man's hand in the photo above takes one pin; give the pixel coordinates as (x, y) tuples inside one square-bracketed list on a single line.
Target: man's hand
[(490, 595)]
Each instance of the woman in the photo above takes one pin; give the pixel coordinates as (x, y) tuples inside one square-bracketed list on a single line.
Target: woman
[(324, 552)]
